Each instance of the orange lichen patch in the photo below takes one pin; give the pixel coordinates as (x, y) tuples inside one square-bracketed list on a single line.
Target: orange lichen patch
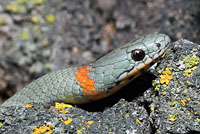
[(86, 83)]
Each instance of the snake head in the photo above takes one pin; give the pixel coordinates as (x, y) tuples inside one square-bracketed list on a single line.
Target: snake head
[(143, 53), (126, 63), (130, 60)]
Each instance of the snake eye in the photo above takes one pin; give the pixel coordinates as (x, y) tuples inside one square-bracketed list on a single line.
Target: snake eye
[(138, 54)]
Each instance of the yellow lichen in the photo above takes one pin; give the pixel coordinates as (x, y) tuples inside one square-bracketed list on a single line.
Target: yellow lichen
[(138, 121), (3, 21), (172, 117), (164, 93), (191, 64), (127, 115), (157, 88), (68, 121), (181, 83), (159, 71), (152, 108), (123, 105), (14, 8), (61, 107), (37, 2), (173, 104), (158, 129), (21, 2), (188, 99), (50, 18), (47, 66), (29, 106), (89, 123), (156, 85), (183, 102), (1, 124), (198, 120), (43, 129), (25, 35), (37, 30), (185, 91), (194, 50), (35, 19), (80, 131), (191, 61), (188, 82), (166, 77)]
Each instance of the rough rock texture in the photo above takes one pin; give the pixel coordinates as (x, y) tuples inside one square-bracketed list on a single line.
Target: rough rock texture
[(171, 105), (175, 102), (115, 119)]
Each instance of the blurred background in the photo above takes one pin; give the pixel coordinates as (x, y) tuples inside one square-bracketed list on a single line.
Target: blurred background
[(41, 36)]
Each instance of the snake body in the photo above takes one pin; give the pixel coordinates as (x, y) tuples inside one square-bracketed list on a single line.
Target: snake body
[(97, 80)]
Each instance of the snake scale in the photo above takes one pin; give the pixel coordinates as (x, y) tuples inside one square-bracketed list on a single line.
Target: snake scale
[(97, 80)]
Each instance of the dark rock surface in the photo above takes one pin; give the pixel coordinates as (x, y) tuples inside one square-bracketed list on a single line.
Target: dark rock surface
[(175, 102)]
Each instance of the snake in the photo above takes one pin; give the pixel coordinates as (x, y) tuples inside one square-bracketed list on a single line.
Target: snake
[(107, 75)]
